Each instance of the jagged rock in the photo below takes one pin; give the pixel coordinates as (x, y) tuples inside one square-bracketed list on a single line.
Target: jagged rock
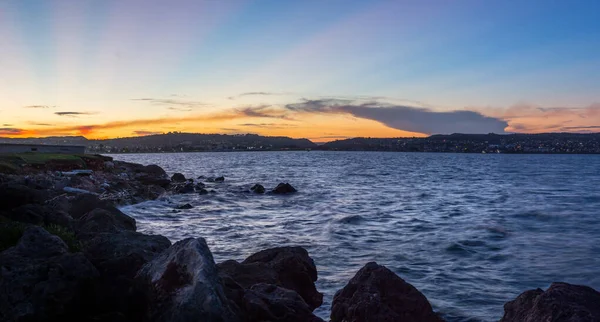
[(199, 185), (153, 192), (560, 302), (220, 179), (41, 281), (284, 188), (266, 302), (258, 188), (178, 177), (377, 294), (82, 204), (105, 220), (288, 267), (186, 206), (15, 195), (182, 284)]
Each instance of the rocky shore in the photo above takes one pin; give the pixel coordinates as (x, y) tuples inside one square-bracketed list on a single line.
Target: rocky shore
[(68, 253)]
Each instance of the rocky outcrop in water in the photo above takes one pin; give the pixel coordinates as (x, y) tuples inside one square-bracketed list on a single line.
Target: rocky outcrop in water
[(182, 284), (178, 177), (284, 188), (377, 294), (560, 302), (258, 188)]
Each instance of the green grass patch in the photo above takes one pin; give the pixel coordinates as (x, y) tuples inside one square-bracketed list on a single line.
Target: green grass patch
[(11, 232)]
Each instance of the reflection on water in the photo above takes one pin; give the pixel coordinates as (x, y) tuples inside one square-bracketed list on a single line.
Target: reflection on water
[(470, 231)]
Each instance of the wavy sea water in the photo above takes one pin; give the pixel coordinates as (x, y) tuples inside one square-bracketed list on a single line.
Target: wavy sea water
[(470, 231)]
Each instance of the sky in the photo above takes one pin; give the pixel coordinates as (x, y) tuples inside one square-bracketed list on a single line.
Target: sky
[(322, 70)]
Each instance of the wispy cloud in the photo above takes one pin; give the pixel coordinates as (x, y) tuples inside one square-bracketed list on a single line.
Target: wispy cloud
[(73, 114), (255, 94), (268, 125), (39, 106), (11, 131), (41, 124), (263, 111), (173, 104)]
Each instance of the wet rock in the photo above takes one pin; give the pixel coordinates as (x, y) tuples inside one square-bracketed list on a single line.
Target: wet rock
[(287, 267), (178, 177), (284, 188), (202, 191), (560, 302), (151, 180), (154, 192), (266, 302), (186, 206), (220, 179), (102, 220), (182, 284), (15, 195), (155, 170), (258, 188), (82, 204), (377, 294), (41, 281), (199, 185), (186, 188)]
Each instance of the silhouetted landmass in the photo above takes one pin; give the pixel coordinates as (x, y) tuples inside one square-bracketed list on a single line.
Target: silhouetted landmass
[(477, 143), (453, 143)]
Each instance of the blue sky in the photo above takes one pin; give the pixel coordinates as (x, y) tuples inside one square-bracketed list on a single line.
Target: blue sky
[(97, 57)]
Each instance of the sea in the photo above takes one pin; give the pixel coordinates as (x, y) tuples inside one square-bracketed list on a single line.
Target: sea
[(470, 231)]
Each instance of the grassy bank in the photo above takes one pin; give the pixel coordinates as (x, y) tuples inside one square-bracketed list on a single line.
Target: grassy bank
[(14, 162)]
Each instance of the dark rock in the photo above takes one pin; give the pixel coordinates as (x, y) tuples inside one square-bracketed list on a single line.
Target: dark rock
[(220, 179), (41, 281), (560, 302), (153, 192), (186, 206), (182, 284), (187, 188), (202, 191), (155, 170), (266, 302), (377, 294), (199, 185), (31, 214), (84, 203), (105, 220), (258, 188), (151, 180), (284, 188), (15, 195), (178, 177), (288, 267)]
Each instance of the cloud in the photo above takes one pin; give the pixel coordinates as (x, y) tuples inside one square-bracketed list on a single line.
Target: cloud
[(254, 94), (73, 114), (6, 124), (263, 111), (145, 133), (268, 125), (41, 124), (39, 106), (406, 118), (173, 103), (11, 131)]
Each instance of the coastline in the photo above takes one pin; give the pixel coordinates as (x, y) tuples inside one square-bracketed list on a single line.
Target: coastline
[(119, 274)]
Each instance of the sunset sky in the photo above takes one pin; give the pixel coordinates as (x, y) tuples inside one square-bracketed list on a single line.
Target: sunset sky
[(317, 69)]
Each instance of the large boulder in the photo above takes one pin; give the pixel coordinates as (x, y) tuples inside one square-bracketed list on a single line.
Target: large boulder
[(284, 188), (178, 177), (288, 267), (15, 195), (84, 203), (266, 302), (560, 302), (182, 284), (153, 175), (118, 256), (41, 281), (258, 188), (377, 294)]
